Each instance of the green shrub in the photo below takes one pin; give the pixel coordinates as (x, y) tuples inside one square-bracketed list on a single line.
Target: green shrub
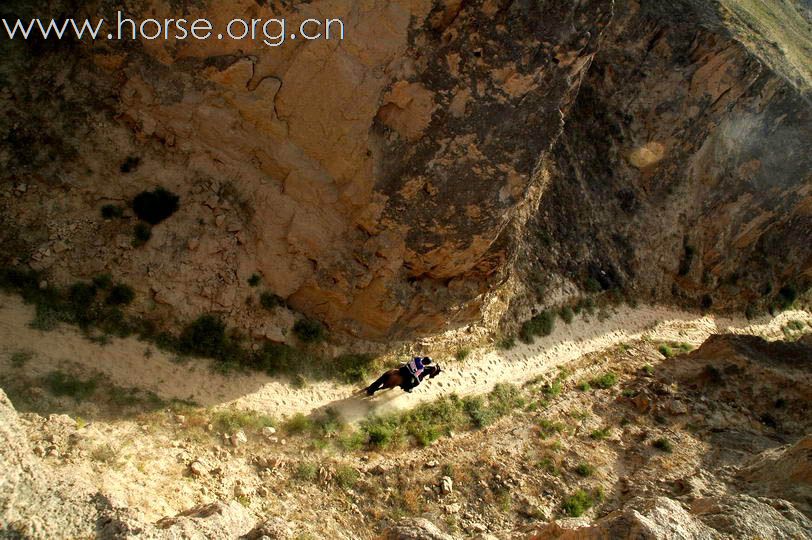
[(548, 428), (205, 336), (254, 280), (352, 368), (663, 444), (504, 398), (648, 369), (600, 434), (306, 471), (141, 234), (346, 476), (111, 211), (352, 441), (584, 469), (280, 359), (593, 285), (584, 386), (666, 350), (297, 424), (506, 343), (605, 381), (66, 384), (231, 420), (269, 301), (120, 295), (380, 432), (462, 354), (567, 314), (549, 465), (21, 358), (155, 206), (309, 331), (552, 389), (540, 325), (579, 502), (478, 413)]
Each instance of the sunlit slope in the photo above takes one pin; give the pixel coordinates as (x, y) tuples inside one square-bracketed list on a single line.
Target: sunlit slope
[(778, 31)]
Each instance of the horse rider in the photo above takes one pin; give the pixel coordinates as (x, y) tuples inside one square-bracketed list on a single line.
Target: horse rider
[(413, 369)]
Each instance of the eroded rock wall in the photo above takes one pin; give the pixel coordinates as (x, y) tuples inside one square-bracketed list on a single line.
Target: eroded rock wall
[(376, 183), (683, 174)]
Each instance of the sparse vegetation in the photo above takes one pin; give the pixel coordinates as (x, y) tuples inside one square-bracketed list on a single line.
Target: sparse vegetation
[(584, 469), (269, 300), (663, 445), (346, 476), (429, 422), (111, 211), (231, 420), (648, 369), (21, 358), (669, 350), (306, 471), (567, 314), (605, 381), (462, 354), (61, 384), (579, 502), (309, 331), (540, 325), (120, 295), (155, 206), (506, 343), (254, 280), (548, 428), (297, 424), (104, 453), (600, 434)]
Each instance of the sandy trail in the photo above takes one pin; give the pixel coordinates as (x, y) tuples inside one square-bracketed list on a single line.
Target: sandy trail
[(132, 363)]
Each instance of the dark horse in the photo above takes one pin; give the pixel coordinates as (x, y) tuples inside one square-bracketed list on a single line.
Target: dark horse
[(401, 377)]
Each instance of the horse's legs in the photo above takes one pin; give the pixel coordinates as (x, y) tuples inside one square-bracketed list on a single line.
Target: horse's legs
[(374, 387)]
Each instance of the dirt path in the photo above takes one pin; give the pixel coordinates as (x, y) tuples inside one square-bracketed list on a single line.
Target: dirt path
[(132, 363)]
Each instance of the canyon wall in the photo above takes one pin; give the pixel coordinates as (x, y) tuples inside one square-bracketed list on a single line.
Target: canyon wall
[(388, 184)]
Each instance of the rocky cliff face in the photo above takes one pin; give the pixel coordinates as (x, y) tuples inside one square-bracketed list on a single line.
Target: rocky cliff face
[(384, 183), (374, 183), (682, 174)]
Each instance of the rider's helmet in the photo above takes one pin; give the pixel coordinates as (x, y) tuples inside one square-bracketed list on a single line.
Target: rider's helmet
[(426, 360)]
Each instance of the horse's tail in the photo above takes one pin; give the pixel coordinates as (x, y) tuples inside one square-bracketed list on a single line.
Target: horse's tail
[(374, 387)]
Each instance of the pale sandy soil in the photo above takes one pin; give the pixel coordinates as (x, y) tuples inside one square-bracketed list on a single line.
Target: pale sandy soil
[(127, 362)]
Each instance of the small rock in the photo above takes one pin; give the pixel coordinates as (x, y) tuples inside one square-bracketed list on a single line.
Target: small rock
[(477, 527), (193, 244), (180, 419), (268, 431), (432, 464), (22, 188), (238, 438), (452, 508), (446, 485), (197, 469), (43, 285), (241, 491)]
